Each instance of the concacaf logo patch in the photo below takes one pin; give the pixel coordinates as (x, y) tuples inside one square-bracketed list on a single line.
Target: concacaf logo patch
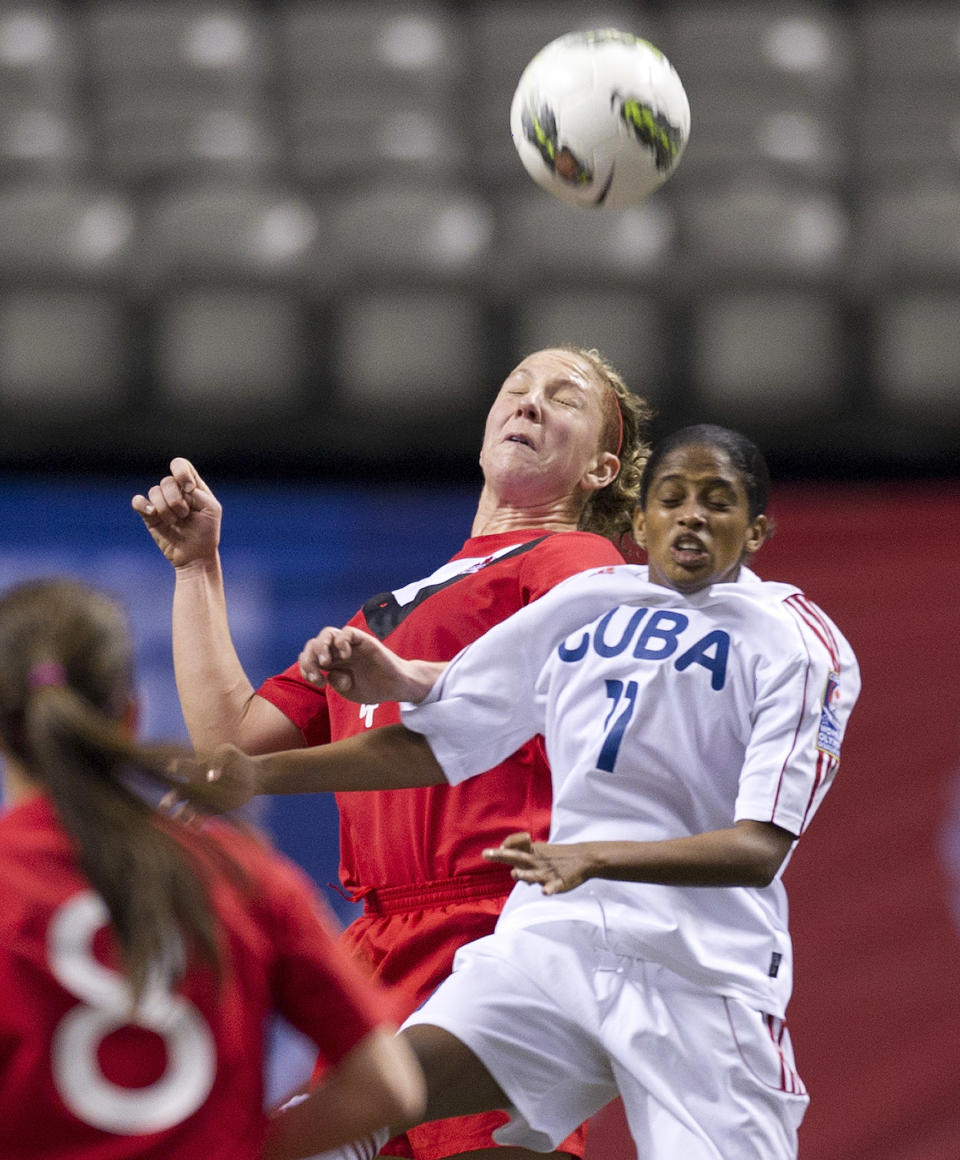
[(829, 734)]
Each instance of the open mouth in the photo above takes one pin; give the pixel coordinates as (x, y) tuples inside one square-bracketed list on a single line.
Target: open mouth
[(688, 551), (519, 439)]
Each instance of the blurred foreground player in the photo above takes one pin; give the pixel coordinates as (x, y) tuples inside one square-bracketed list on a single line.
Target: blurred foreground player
[(693, 717), (562, 452), (139, 957)]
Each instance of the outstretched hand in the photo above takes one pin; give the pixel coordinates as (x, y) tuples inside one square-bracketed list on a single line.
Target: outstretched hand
[(360, 668), (556, 867), (216, 784), (181, 514)]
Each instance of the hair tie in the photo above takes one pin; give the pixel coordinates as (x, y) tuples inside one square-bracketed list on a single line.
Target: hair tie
[(47, 674)]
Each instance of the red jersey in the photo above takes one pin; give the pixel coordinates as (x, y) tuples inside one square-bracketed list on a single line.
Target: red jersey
[(80, 1081), (436, 833)]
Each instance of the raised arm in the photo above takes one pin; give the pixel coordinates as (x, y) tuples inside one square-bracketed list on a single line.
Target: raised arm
[(219, 702), (746, 854)]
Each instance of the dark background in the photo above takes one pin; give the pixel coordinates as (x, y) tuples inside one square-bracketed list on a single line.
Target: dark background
[(293, 240)]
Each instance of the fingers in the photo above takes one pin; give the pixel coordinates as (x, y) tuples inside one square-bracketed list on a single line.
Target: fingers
[(316, 654), (174, 497), (175, 806), (186, 475), (518, 841), (328, 649), (515, 850)]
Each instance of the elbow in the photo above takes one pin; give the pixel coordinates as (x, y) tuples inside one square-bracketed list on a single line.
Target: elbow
[(763, 874), (764, 847), (763, 866)]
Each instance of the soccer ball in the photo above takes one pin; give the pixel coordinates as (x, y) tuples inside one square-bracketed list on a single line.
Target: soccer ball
[(600, 118)]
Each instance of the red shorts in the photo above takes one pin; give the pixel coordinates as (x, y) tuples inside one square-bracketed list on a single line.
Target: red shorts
[(407, 937)]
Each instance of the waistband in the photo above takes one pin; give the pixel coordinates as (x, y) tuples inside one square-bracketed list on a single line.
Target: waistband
[(493, 883)]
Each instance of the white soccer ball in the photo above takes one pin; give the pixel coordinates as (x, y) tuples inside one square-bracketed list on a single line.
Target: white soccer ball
[(600, 118)]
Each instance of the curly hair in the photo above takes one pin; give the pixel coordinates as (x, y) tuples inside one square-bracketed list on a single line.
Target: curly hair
[(609, 512)]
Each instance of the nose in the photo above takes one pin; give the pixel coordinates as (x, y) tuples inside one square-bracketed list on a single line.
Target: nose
[(691, 515), (528, 406)]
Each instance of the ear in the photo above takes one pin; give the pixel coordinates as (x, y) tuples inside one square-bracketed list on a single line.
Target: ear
[(756, 534), (602, 473), (639, 528)]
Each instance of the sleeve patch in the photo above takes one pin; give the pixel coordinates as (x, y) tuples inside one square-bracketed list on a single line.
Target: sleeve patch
[(829, 733)]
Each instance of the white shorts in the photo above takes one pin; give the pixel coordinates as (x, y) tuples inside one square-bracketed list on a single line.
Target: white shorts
[(564, 1024)]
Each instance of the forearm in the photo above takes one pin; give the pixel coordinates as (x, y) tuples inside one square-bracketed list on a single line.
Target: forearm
[(379, 1083), (388, 758), (747, 854), (215, 693)]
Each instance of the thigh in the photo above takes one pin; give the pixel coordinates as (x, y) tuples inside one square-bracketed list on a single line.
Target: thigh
[(524, 1005), (703, 1076), (412, 952)]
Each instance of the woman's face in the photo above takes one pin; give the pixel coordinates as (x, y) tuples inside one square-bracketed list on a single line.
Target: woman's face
[(542, 437), (695, 523)]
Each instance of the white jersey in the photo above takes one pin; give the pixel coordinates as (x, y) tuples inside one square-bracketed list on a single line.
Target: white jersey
[(664, 715)]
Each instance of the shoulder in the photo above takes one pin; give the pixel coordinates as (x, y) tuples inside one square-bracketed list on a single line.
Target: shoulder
[(563, 554), (588, 546), (789, 619)]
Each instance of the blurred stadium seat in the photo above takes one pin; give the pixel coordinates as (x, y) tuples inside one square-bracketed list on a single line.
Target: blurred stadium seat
[(223, 354), (372, 92), (767, 87), (78, 233), (62, 352), (767, 231), (42, 123), (762, 131), (907, 124), (909, 44), (411, 353), (238, 232), (177, 87), (39, 50), (409, 232), (786, 45), (166, 134), (767, 355), (900, 135), (541, 241), (909, 234), (916, 353)]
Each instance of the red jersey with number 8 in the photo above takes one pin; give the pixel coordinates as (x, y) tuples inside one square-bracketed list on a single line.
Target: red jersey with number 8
[(82, 1078)]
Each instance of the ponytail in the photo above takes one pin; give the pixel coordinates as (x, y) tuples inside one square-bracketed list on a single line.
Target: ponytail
[(65, 685)]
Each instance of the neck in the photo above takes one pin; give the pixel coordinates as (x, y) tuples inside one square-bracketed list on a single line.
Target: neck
[(495, 515)]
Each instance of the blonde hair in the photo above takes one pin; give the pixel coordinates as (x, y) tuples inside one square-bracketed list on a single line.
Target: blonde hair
[(609, 511)]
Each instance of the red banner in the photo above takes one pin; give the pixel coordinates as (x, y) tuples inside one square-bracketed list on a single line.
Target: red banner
[(875, 883)]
